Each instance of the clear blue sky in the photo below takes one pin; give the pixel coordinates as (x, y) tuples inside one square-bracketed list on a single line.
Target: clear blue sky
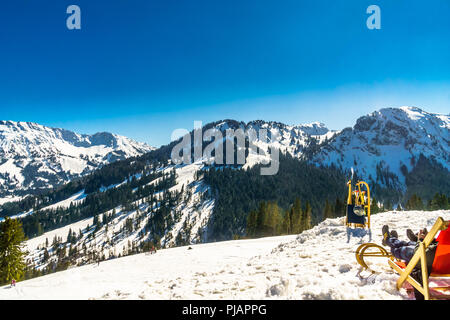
[(145, 68)]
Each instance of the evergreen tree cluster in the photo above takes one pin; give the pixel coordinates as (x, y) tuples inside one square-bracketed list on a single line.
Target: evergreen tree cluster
[(427, 178), (95, 203), (81, 248), (438, 202), (271, 220), (238, 192), (110, 174)]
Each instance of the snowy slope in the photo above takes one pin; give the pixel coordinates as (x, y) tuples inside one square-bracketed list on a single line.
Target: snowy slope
[(317, 264), (196, 209), (35, 156), (190, 217)]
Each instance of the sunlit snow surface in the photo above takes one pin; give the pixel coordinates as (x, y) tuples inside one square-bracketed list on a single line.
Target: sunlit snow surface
[(317, 264)]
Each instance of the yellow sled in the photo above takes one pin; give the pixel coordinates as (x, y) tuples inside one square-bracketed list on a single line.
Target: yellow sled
[(358, 208)]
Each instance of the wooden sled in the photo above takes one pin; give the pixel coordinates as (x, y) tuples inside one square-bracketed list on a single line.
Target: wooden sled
[(358, 209)]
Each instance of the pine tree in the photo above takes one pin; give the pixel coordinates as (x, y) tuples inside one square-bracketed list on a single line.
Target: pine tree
[(328, 211), (414, 203), (252, 223), (439, 201), (374, 206), (273, 219), (297, 217), (339, 208), (286, 226), (69, 236), (46, 255), (307, 217), (261, 218), (388, 205), (12, 264)]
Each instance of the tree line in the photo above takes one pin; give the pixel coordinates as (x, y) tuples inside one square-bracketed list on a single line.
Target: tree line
[(271, 220), (438, 202)]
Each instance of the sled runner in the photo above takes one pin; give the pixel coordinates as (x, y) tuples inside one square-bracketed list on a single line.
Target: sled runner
[(440, 269), (370, 250), (358, 210)]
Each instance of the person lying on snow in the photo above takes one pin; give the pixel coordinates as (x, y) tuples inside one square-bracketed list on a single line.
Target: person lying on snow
[(405, 250)]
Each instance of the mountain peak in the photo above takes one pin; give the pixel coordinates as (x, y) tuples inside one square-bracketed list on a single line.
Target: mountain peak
[(34, 156), (390, 139), (314, 128)]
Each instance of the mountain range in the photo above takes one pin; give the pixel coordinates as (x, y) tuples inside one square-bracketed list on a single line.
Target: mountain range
[(34, 157), (133, 196)]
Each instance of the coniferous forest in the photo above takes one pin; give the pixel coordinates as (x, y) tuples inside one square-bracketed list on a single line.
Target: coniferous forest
[(239, 192)]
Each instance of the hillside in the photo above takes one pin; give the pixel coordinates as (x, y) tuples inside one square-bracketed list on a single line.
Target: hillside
[(316, 264)]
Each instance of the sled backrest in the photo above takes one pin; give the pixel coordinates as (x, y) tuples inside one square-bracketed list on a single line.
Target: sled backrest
[(441, 263), (353, 218), (362, 199)]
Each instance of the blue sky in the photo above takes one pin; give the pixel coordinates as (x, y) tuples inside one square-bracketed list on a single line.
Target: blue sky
[(145, 68)]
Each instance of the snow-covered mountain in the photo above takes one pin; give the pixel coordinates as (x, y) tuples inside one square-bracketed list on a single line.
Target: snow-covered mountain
[(389, 140), (33, 156), (382, 147), (317, 264), (292, 139)]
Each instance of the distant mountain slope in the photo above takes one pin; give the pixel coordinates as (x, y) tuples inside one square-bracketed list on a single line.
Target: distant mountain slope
[(384, 146), (33, 156)]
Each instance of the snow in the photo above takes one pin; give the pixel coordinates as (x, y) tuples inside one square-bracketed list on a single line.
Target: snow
[(74, 199), (9, 199), (12, 170), (317, 264), (51, 155), (36, 242), (413, 113), (194, 211)]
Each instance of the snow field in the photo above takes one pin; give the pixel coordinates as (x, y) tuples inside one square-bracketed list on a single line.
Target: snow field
[(317, 264)]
